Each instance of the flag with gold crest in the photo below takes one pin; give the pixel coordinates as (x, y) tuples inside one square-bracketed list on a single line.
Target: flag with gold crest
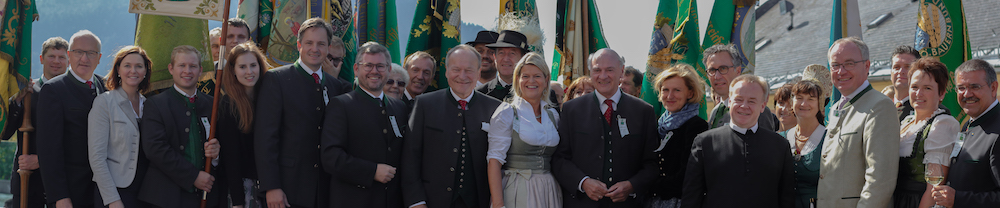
[(15, 50), (435, 29), (941, 32)]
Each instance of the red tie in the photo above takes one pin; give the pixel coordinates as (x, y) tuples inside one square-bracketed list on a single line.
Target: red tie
[(316, 77), (607, 113), (462, 104), (191, 99), (90, 84)]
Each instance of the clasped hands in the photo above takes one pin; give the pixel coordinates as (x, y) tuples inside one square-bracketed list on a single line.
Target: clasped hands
[(597, 190)]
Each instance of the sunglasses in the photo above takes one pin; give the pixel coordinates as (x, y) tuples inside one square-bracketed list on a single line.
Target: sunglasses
[(397, 83)]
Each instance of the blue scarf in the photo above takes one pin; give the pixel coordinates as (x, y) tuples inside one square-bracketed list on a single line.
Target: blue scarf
[(670, 121)]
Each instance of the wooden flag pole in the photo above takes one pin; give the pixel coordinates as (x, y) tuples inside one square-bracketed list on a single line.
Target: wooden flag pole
[(26, 129), (215, 96)]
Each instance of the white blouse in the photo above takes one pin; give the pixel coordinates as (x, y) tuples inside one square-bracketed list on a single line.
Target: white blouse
[(813, 139), (529, 129), (939, 142)]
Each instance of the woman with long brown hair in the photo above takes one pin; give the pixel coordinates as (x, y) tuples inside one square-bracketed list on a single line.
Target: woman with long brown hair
[(113, 131), (244, 66)]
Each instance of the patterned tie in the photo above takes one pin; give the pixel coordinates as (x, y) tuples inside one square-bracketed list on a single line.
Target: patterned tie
[(90, 84), (607, 113), (316, 77), (462, 104), (191, 99)]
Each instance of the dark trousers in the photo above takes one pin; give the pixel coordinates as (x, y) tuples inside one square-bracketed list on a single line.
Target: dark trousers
[(36, 192)]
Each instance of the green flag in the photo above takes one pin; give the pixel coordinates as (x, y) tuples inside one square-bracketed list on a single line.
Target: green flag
[(681, 46), (435, 30), (578, 34), (15, 51), (522, 16), (149, 33), (257, 14), (941, 32), (377, 23), (845, 21)]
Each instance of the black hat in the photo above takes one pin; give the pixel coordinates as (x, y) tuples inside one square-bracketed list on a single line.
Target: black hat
[(511, 39), (486, 37)]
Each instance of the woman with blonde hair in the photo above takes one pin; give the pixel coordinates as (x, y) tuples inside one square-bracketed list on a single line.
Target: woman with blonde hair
[(681, 91), (118, 163), (522, 139)]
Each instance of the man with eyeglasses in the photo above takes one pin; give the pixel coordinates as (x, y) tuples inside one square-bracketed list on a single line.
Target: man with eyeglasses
[(335, 59), (362, 141), (974, 179), (859, 162), (54, 60), (722, 62), (67, 100), (291, 105)]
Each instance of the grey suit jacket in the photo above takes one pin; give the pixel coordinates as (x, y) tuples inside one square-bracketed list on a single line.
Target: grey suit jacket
[(860, 158), (113, 140)]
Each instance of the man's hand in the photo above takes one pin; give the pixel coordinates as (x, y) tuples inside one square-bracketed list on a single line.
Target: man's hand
[(212, 148), (204, 181), (620, 191), (19, 98), (27, 162), (384, 173), (944, 195), (116, 204), (276, 199), (594, 189), (64, 203)]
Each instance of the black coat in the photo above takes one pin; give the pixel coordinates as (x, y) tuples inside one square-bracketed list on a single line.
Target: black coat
[(581, 148), (674, 157), (64, 157), (494, 89), (975, 173), (236, 151), (358, 135), (166, 121), (729, 169), (289, 119), (430, 149)]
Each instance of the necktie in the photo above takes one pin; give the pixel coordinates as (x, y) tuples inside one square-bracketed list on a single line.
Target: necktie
[(316, 77), (607, 113), (191, 99), (462, 104), (90, 84)]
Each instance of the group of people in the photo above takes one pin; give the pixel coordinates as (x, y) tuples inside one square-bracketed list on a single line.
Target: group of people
[(299, 136)]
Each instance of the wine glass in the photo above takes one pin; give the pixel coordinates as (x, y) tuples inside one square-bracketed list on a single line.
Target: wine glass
[(934, 174)]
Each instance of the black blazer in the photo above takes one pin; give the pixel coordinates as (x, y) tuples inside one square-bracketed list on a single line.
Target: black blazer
[(64, 156), (430, 148), (357, 135), (494, 89), (236, 151), (581, 148), (673, 158), (166, 121), (289, 119), (975, 173), (728, 169)]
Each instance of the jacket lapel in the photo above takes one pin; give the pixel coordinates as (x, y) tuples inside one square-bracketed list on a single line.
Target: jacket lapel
[(126, 107)]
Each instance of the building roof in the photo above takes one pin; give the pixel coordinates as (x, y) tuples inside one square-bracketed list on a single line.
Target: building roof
[(789, 52)]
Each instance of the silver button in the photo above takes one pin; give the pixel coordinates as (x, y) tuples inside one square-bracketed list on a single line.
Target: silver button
[(384, 131), (452, 169), (319, 127), (315, 165), (317, 108), (317, 146), (459, 114), (454, 149), (182, 147), (449, 189), (383, 112), (188, 113), (187, 129)]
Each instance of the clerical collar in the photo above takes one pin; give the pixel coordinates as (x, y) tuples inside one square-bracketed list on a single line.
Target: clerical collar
[(78, 78), (984, 112), (857, 91), (743, 130), (183, 93), (457, 98), (311, 71), (407, 93)]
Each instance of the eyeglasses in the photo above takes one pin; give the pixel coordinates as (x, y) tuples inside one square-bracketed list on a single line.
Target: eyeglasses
[(85, 53), (335, 60), (370, 66), (973, 87), (849, 64), (400, 83), (720, 70)]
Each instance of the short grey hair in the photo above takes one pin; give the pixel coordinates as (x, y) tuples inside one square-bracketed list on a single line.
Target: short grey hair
[(593, 56), (978, 65), (398, 69), (856, 41), (463, 47), (85, 33), (728, 48)]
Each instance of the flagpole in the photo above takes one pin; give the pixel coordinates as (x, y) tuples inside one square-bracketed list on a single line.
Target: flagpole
[(215, 96)]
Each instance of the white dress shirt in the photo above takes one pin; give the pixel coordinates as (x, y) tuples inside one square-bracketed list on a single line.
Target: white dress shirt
[(528, 128), (939, 142)]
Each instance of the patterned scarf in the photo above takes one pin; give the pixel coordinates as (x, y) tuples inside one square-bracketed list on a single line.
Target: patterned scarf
[(670, 121)]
